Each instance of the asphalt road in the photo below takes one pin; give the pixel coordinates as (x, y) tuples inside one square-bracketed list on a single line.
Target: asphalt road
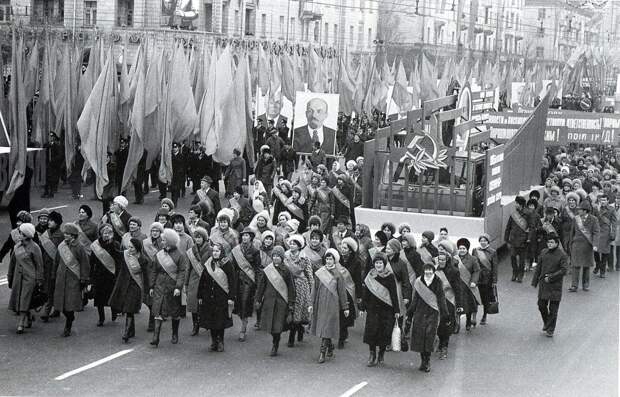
[(508, 357)]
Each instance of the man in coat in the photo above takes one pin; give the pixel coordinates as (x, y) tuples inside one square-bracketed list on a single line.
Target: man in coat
[(209, 201), (49, 241), (55, 159), (517, 237), (178, 172), (607, 223), (548, 277), (584, 243), (121, 160), (314, 131)]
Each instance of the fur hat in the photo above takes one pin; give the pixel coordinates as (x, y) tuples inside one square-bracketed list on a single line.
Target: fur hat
[(582, 194), (87, 209), (484, 236), (410, 238), (278, 251), (333, 252), (585, 205), (158, 226), (287, 184), (248, 230), (268, 233), (168, 202), (171, 237), (104, 226), (286, 214), (351, 163), (24, 216), (136, 220), (395, 245), (121, 201), (296, 238), (43, 213), (314, 220), (430, 236), (403, 226), (203, 232), (447, 245), (567, 181), (27, 229), (521, 201), (70, 228), (293, 224), (207, 179), (463, 242), (351, 243), (556, 189)]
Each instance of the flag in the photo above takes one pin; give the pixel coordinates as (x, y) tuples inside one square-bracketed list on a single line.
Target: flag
[(181, 107), (206, 114), (31, 76), (201, 77), (361, 84), (124, 95), (249, 122), (17, 121), (136, 123), (224, 100), (275, 80), (414, 82), (446, 77), (95, 123), (316, 82), (401, 96), (152, 102), (428, 80), (346, 89), (263, 70), (288, 76), (66, 89)]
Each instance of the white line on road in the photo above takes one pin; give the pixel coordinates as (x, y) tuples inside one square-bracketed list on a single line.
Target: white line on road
[(3, 280), (93, 364), (354, 389), (49, 209)]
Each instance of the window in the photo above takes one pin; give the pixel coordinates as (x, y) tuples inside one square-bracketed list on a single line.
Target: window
[(326, 33), (250, 22), (317, 31), (282, 26), (541, 14), (90, 13), (124, 13), (351, 34), (292, 29), (225, 18), (336, 34), (208, 17), (486, 15), (360, 35), (236, 23), (370, 38), (5, 12), (428, 35), (263, 25)]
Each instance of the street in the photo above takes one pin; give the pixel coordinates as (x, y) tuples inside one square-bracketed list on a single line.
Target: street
[(508, 357)]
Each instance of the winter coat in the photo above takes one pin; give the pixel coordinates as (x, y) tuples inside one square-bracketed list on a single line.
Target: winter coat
[(607, 225), (25, 272), (451, 272), (468, 299), (327, 306), (235, 174), (165, 304), (246, 287), (581, 253), (274, 309), (379, 315), (102, 280), (49, 262), (554, 264), (213, 311), (487, 275), (514, 234), (193, 274), (68, 287), (127, 296), (425, 318)]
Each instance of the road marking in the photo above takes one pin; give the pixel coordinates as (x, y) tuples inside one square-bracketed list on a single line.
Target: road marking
[(4, 280), (155, 191), (354, 389), (49, 209), (93, 364)]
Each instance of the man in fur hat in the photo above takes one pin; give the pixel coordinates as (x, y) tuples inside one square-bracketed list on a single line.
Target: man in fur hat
[(584, 243)]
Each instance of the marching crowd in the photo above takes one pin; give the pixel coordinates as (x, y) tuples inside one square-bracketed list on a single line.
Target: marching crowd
[(292, 255)]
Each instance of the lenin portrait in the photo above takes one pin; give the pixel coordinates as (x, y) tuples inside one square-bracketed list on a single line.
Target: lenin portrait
[(304, 137)]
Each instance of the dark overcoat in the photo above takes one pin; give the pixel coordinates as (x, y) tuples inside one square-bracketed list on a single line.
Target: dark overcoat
[(192, 276), (554, 264), (274, 309), (165, 304), (127, 296), (102, 280), (425, 318), (379, 315), (213, 311), (25, 271), (246, 287), (68, 288)]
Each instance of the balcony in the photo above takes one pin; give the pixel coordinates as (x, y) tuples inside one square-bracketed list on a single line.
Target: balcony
[(53, 20), (310, 12)]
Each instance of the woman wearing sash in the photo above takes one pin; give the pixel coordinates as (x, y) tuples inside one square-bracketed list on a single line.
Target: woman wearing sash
[(150, 247), (364, 241), (302, 273), (105, 262), (323, 206), (469, 270), (179, 226), (487, 257), (197, 256), (311, 190), (450, 278), (568, 214), (411, 256), (246, 261), (343, 200), (275, 297), (135, 226), (314, 223), (351, 269), (85, 223), (379, 299), (25, 274), (130, 289), (584, 240), (281, 230), (427, 250), (14, 236), (266, 248), (399, 268), (167, 283), (427, 308), (223, 233), (216, 294), (328, 300), (315, 250), (163, 217), (296, 206), (118, 217), (72, 276), (279, 195), (49, 242)]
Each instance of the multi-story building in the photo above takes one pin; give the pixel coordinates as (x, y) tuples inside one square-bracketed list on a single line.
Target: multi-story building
[(342, 24), (559, 28)]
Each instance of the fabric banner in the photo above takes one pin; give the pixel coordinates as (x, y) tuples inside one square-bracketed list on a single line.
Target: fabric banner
[(276, 280)]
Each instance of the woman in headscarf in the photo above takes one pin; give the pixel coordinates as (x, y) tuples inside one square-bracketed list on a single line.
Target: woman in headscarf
[(259, 189), (351, 270), (281, 230), (131, 286), (364, 241), (105, 262), (379, 301), (25, 274), (315, 250), (323, 205), (279, 196), (427, 250), (303, 278), (275, 297), (427, 309), (399, 268), (216, 296), (150, 246), (487, 257), (328, 300), (412, 258), (197, 256), (296, 206), (246, 261), (450, 278), (260, 222), (135, 231), (167, 283), (335, 173), (88, 228), (469, 271)]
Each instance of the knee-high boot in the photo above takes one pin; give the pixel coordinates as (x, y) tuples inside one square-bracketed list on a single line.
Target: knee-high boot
[(156, 331), (126, 329), (291, 336), (323, 350), (132, 325), (151, 326), (276, 345), (214, 336), (175, 331), (68, 323), (101, 313), (196, 324)]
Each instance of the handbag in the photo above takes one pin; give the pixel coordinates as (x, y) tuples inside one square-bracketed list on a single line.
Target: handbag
[(396, 338), (39, 298), (493, 306)]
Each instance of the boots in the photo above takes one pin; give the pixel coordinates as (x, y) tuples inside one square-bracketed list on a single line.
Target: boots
[(330, 349), (291, 337), (21, 323), (101, 316), (151, 325), (213, 347), (300, 333), (156, 331), (323, 351), (443, 353), (244, 328), (372, 358), (276, 344), (381, 354), (132, 326), (175, 331), (425, 365), (195, 323), (483, 320), (126, 330), (220, 341), (29, 320), (67, 330)]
